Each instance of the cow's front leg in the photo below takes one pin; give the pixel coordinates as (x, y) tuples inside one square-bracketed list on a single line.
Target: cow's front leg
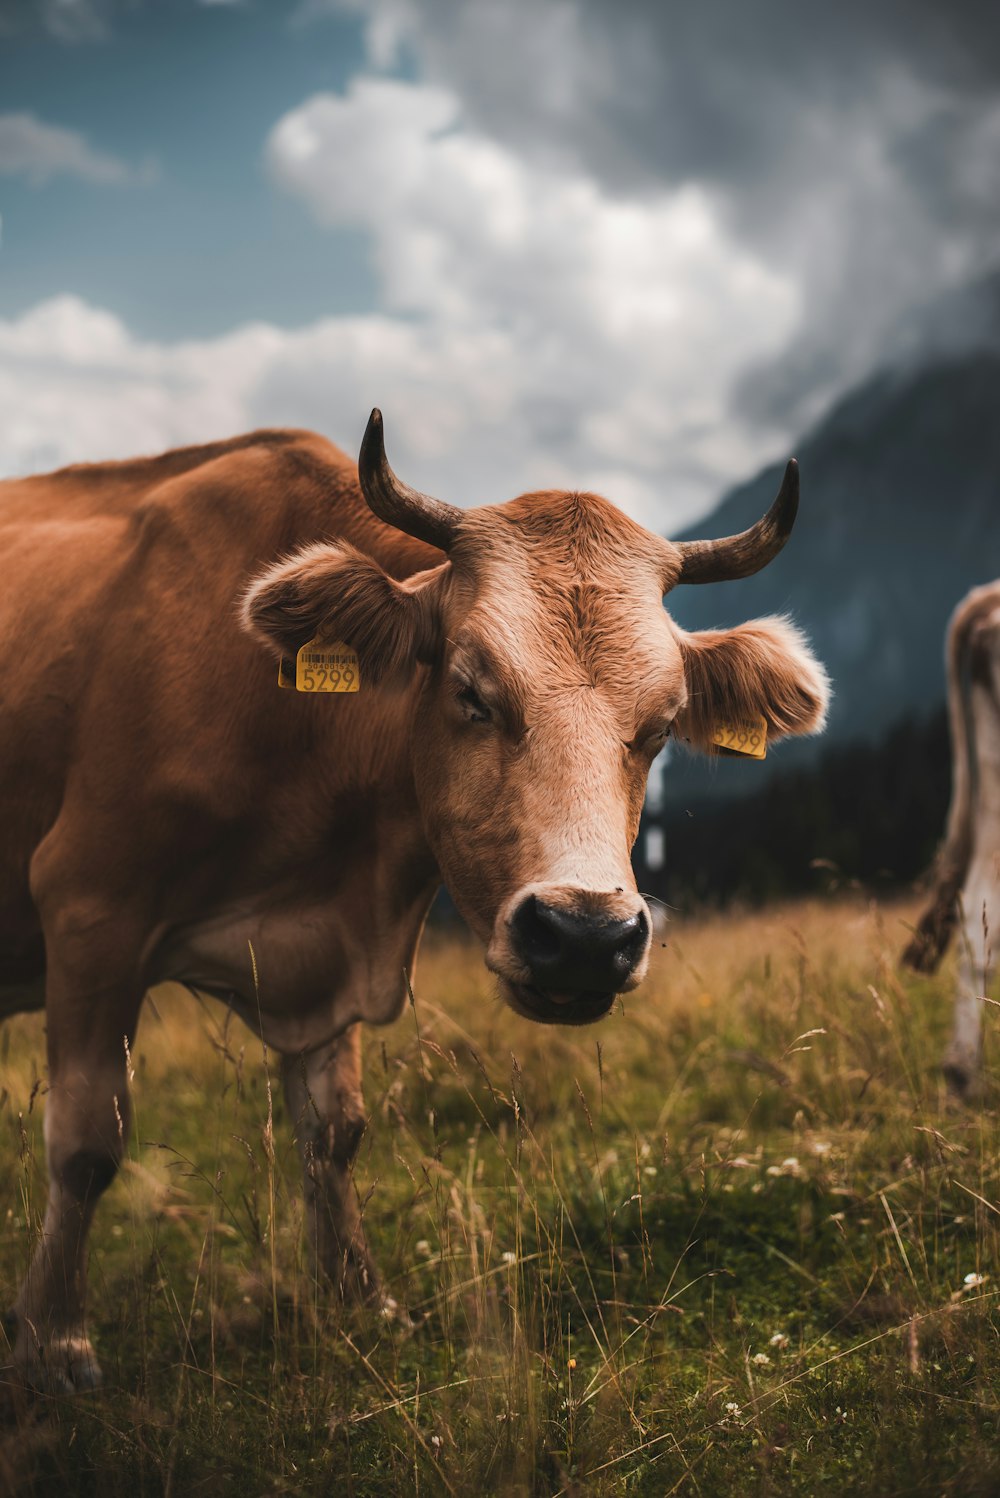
[(323, 1094), (86, 1126)]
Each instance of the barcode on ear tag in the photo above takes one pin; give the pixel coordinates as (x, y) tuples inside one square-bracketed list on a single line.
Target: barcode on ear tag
[(749, 739), (322, 666), (327, 666)]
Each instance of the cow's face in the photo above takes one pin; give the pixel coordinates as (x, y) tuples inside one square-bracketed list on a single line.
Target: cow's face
[(554, 679), (550, 677)]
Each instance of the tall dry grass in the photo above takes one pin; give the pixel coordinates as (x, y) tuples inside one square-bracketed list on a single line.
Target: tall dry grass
[(736, 1237)]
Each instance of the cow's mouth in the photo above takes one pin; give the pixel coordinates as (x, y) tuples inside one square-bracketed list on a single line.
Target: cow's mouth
[(577, 1007)]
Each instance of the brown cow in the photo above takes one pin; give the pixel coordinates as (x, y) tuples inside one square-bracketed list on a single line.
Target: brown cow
[(166, 807)]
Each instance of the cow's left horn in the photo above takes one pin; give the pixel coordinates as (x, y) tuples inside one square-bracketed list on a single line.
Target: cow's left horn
[(742, 555), (396, 503)]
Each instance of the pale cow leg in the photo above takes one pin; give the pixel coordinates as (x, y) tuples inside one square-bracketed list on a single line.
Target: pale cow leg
[(324, 1099), (86, 1126), (980, 912)]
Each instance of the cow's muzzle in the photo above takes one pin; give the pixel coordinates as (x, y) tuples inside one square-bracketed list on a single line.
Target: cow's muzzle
[(564, 960)]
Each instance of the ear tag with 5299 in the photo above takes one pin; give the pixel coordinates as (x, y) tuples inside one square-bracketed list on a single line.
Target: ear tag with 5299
[(747, 739), (322, 666)]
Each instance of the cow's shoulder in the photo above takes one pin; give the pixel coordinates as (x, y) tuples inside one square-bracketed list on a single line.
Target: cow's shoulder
[(262, 493), (110, 565)]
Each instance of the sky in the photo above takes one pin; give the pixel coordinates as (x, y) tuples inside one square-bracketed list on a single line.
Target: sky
[(637, 247)]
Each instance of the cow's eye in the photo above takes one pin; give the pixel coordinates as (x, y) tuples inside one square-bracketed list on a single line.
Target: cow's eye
[(473, 706), (652, 742)]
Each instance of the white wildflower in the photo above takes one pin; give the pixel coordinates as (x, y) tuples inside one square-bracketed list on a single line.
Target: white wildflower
[(779, 1340), (649, 1170), (761, 1360), (788, 1167), (508, 1257), (423, 1247), (971, 1281)]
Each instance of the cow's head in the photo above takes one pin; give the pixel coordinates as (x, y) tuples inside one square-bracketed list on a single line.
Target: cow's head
[(550, 677)]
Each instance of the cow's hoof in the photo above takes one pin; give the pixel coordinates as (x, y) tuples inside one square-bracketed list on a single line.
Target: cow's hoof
[(963, 1079), (78, 1367), (63, 1365)]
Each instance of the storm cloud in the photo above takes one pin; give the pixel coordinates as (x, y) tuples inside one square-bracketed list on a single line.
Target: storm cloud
[(854, 149)]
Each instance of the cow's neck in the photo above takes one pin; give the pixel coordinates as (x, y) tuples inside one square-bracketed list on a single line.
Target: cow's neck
[(326, 877)]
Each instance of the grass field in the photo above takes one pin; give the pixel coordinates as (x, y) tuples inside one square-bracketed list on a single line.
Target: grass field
[(736, 1239)]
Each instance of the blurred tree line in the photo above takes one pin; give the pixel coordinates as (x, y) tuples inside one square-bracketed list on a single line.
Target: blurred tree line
[(868, 814)]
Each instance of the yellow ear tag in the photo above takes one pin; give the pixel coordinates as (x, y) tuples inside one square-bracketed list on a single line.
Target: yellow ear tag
[(747, 739), (322, 666)]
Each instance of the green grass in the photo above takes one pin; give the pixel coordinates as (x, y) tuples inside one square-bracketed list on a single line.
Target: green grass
[(601, 1230)]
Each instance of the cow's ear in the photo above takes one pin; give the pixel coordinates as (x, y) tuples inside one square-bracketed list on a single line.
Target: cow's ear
[(764, 669), (331, 593)]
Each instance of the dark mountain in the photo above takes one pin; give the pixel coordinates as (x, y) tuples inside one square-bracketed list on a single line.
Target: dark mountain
[(900, 516)]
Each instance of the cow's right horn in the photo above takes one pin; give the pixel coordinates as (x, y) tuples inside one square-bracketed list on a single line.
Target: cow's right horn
[(396, 503), (740, 556)]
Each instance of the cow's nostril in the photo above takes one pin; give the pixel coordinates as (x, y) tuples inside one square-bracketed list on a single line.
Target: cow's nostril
[(538, 938), (636, 936)]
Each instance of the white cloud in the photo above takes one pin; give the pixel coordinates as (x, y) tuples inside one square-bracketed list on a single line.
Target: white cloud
[(75, 20), (535, 331), (78, 21), (594, 338), (31, 148)]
